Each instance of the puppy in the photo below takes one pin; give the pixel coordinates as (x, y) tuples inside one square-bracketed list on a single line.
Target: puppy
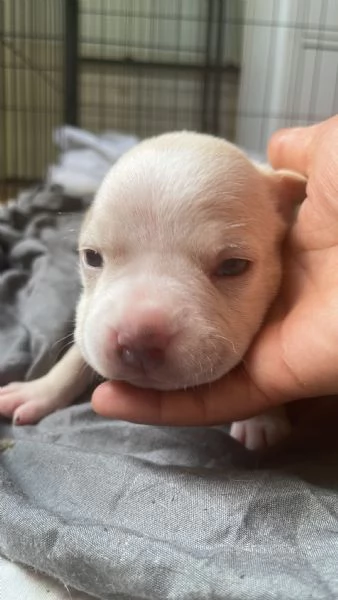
[(180, 258)]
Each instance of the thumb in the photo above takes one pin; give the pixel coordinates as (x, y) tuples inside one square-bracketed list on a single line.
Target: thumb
[(291, 148), (202, 406)]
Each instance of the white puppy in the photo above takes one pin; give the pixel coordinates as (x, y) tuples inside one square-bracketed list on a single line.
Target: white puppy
[(180, 261)]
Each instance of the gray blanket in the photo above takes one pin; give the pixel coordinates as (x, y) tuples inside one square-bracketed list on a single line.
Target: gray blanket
[(134, 512)]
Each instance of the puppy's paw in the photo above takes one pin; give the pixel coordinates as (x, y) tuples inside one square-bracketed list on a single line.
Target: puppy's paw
[(262, 431), (28, 402)]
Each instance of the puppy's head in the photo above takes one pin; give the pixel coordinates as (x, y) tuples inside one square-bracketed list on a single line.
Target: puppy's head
[(180, 260)]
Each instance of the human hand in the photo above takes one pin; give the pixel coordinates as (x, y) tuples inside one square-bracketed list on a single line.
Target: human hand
[(295, 355)]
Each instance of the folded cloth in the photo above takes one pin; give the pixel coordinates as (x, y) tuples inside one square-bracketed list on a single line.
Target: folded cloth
[(85, 158)]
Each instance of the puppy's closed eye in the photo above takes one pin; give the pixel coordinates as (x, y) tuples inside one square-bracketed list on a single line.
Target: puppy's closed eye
[(92, 258), (232, 267)]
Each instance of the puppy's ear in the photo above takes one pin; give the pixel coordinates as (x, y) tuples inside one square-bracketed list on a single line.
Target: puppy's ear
[(287, 188)]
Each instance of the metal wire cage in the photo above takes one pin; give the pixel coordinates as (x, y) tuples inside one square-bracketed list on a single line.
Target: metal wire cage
[(31, 88), (235, 68)]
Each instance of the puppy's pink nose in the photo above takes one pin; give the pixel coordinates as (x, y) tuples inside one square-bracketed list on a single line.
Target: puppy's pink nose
[(144, 357), (142, 342)]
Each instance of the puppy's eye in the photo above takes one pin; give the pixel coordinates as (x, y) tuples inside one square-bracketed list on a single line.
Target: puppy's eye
[(93, 259), (232, 267)]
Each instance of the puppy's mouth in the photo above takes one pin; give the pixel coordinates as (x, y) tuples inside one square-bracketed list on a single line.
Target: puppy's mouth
[(168, 378), (149, 383)]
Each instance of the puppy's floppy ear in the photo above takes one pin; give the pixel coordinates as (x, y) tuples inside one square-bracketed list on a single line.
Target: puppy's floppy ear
[(287, 188)]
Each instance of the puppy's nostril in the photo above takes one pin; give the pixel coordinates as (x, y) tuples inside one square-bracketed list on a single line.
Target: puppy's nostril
[(141, 357), (128, 356)]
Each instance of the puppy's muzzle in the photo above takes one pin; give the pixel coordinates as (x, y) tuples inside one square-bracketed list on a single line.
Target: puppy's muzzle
[(144, 352), (141, 341)]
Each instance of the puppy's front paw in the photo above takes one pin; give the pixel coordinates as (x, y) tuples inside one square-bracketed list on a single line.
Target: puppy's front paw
[(28, 402), (262, 431)]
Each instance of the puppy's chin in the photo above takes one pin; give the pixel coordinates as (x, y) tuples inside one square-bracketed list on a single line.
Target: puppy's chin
[(167, 385), (171, 377), (173, 385)]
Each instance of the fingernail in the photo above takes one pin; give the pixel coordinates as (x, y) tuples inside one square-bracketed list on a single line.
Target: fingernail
[(16, 420)]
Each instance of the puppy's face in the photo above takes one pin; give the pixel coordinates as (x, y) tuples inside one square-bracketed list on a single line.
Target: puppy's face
[(180, 260)]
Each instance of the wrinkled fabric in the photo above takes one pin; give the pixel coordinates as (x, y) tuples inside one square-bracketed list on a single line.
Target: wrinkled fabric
[(124, 511), (39, 280)]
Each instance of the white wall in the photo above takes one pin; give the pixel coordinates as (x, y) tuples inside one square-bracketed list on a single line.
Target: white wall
[(289, 67)]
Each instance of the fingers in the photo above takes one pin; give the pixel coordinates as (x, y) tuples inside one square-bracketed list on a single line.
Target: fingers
[(233, 397), (291, 148), (122, 401)]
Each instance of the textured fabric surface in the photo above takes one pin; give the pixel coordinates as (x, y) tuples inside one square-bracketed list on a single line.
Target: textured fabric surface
[(124, 511), (39, 282)]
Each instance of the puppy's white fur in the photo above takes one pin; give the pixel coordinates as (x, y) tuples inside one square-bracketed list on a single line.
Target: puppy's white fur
[(165, 218)]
